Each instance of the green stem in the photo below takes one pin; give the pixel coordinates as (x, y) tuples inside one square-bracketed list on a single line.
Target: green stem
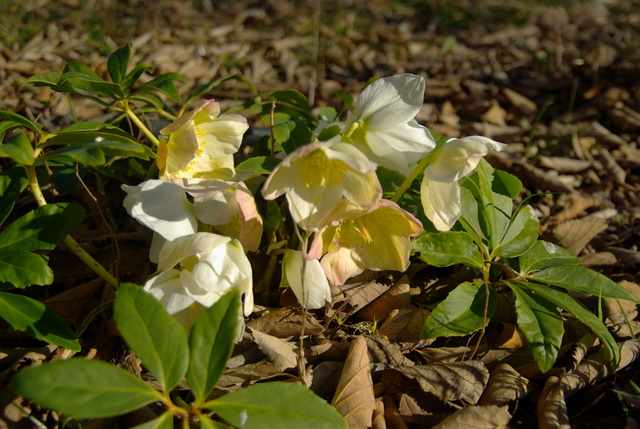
[(351, 129), (410, 178), (127, 110), (73, 245)]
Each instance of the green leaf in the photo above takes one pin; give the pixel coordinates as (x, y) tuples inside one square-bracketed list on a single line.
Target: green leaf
[(118, 63), (571, 305), (207, 423), (582, 279), (19, 149), (291, 102), (156, 337), (37, 320), (544, 255), (506, 184), (540, 324), (211, 342), (258, 164), (276, 405), (521, 234), (291, 135), (164, 84), (149, 98), (14, 117), (81, 69), (39, 229), (163, 421), (42, 228), (12, 183), (84, 388), (132, 77), (465, 310), (24, 269), (94, 153), (447, 248), (96, 85)]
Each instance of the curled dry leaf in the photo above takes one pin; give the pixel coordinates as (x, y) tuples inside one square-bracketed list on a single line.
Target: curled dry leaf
[(622, 314), (285, 322), (456, 381), (574, 234), (552, 408), (505, 385), (354, 397), (477, 417), (381, 350)]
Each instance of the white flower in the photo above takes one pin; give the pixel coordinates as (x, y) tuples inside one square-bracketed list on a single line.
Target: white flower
[(440, 191), (198, 269), (313, 289), (384, 125), (315, 177)]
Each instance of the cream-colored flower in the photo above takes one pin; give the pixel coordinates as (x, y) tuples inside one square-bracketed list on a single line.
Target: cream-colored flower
[(384, 126), (312, 289), (377, 238), (315, 177), (201, 144), (440, 191)]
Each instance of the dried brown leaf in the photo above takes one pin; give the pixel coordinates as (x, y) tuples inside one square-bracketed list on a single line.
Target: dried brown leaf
[(278, 351), (552, 408), (456, 381), (381, 350), (476, 417), (396, 297), (622, 314), (404, 324), (575, 234), (573, 205), (354, 397), (495, 115), (285, 322), (510, 337), (505, 385), (563, 164)]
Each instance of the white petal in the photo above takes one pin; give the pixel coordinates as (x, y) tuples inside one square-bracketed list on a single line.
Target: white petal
[(441, 203), (162, 207), (216, 208), (168, 289), (310, 206), (190, 245), (390, 101), (339, 266), (314, 290)]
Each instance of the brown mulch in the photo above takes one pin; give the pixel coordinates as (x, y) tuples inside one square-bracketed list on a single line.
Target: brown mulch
[(559, 83)]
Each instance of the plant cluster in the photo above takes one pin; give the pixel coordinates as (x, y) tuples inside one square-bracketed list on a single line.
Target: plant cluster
[(363, 193)]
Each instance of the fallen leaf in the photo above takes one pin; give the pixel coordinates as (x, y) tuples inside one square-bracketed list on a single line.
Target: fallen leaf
[(552, 408), (476, 417), (354, 397), (505, 385), (285, 322), (575, 234), (396, 297), (278, 351), (456, 381), (404, 324)]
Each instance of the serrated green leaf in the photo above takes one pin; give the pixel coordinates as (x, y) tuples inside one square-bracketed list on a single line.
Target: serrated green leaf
[(211, 342), (30, 125), (164, 84), (276, 405), (258, 164), (19, 149), (132, 77), (51, 79), (447, 248), (154, 335), (42, 228), (465, 310), (582, 279), (540, 324), (23, 269), (84, 388), (12, 183), (544, 255), (81, 69), (163, 421), (118, 62), (37, 320), (521, 234), (96, 85), (571, 305)]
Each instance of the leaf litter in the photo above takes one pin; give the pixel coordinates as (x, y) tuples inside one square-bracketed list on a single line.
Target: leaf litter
[(557, 83)]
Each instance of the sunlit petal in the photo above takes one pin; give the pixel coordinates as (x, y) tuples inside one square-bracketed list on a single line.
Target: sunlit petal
[(441, 203), (313, 290)]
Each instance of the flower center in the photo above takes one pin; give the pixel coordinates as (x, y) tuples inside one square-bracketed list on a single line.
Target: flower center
[(319, 171)]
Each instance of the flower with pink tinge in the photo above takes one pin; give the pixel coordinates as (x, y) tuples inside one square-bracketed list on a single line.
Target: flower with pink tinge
[(377, 238)]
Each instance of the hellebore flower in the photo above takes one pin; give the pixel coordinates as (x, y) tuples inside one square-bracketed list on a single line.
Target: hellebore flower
[(198, 269), (377, 238), (313, 289), (383, 125), (440, 191), (201, 144), (316, 176)]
